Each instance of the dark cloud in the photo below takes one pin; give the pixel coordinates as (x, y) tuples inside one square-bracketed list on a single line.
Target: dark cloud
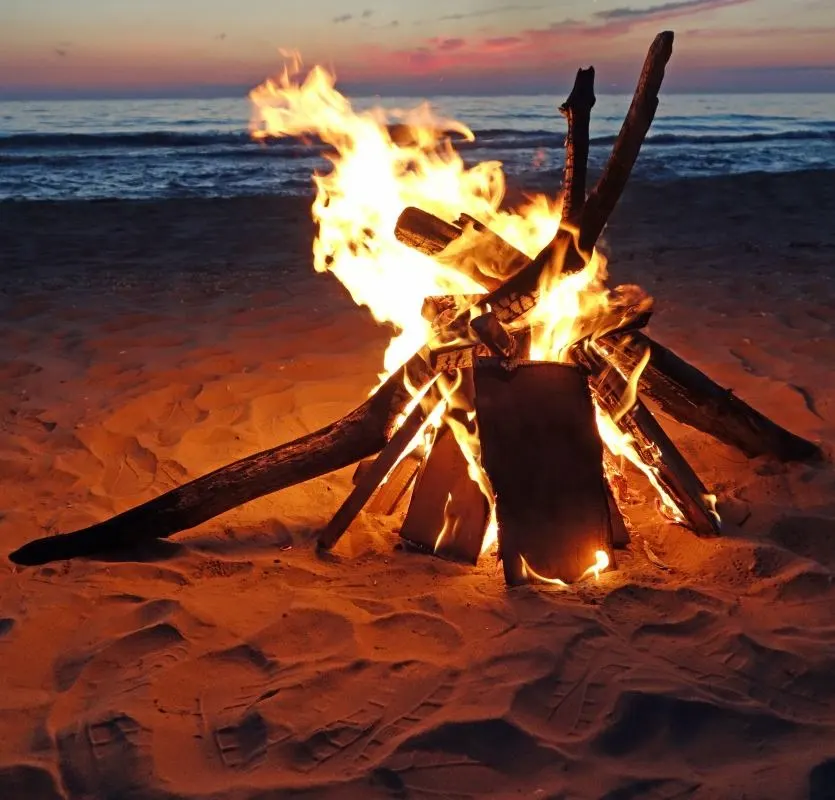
[(220, 37), (448, 45), (494, 10), (367, 13), (676, 8), (61, 52), (503, 41), (343, 18)]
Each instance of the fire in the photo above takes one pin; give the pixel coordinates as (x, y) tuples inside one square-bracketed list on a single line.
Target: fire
[(373, 175), (372, 179)]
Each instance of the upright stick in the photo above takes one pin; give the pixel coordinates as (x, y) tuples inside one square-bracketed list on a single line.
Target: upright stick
[(602, 199)]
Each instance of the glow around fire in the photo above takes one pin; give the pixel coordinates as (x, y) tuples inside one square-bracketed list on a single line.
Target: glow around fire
[(372, 177)]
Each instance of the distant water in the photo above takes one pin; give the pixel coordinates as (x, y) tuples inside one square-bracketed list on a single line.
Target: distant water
[(201, 148)]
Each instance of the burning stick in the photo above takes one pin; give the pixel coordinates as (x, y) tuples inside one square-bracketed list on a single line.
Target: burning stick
[(379, 469), (682, 493)]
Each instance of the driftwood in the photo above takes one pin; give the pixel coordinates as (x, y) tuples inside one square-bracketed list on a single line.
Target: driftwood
[(393, 451), (689, 396), (603, 197), (448, 513), (360, 434), (577, 110)]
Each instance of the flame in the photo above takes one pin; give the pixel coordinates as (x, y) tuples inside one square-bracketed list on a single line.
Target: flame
[(600, 564), (372, 179)]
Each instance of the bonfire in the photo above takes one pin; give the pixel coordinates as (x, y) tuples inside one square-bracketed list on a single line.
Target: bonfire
[(515, 397)]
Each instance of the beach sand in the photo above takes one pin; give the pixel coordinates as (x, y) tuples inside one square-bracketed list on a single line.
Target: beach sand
[(146, 343)]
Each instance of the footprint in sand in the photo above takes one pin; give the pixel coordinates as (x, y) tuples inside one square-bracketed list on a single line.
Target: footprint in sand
[(807, 536), (305, 633), (411, 634), (105, 756)]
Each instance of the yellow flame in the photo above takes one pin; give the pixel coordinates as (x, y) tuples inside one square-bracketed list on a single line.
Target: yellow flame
[(372, 179), (601, 563)]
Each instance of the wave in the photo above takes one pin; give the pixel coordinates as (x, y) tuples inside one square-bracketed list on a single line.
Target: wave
[(240, 143)]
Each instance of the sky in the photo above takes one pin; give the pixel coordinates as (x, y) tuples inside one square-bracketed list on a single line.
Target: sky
[(59, 48)]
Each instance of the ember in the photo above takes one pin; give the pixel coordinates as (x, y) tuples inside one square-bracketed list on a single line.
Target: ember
[(514, 394)]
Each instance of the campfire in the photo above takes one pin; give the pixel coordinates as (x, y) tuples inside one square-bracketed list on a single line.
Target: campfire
[(515, 399)]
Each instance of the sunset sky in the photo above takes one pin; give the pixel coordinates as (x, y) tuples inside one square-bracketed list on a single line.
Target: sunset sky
[(166, 47)]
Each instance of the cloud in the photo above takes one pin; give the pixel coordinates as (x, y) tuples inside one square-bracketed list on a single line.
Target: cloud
[(678, 8), (367, 13), (343, 18), (501, 42), (61, 52), (220, 37), (447, 45), (486, 11)]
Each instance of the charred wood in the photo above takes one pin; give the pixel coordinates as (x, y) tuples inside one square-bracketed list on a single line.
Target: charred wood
[(689, 396), (542, 452)]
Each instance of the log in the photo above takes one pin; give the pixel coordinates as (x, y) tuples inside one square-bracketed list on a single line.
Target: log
[(542, 452), (689, 396), (479, 252), (654, 447), (422, 231), (361, 433), (604, 196), (577, 111), (495, 336), (386, 499), (377, 472), (448, 513)]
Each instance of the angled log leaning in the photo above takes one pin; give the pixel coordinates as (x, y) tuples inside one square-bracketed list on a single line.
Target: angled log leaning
[(604, 196), (376, 473), (655, 448), (689, 396)]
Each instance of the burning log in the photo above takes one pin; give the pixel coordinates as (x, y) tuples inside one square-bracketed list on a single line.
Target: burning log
[(668, 467), (448, 513), (544, 457), (689, 396), (388, 496)]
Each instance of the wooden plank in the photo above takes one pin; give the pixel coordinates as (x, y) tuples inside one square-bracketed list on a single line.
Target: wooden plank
[(542, 452), (448, 513)]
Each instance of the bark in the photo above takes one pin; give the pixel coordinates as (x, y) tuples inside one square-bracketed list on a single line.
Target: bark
[(602, 199), (689, 396), (368, 483), (654, 447), (448, 513)]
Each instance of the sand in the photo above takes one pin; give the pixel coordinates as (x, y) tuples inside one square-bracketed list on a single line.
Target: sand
[(147, 343)]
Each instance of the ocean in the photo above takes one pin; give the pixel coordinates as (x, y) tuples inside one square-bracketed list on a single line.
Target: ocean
[(58, 150)]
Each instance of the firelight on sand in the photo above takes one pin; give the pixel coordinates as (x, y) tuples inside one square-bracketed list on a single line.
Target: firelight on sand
[(371, 180)]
